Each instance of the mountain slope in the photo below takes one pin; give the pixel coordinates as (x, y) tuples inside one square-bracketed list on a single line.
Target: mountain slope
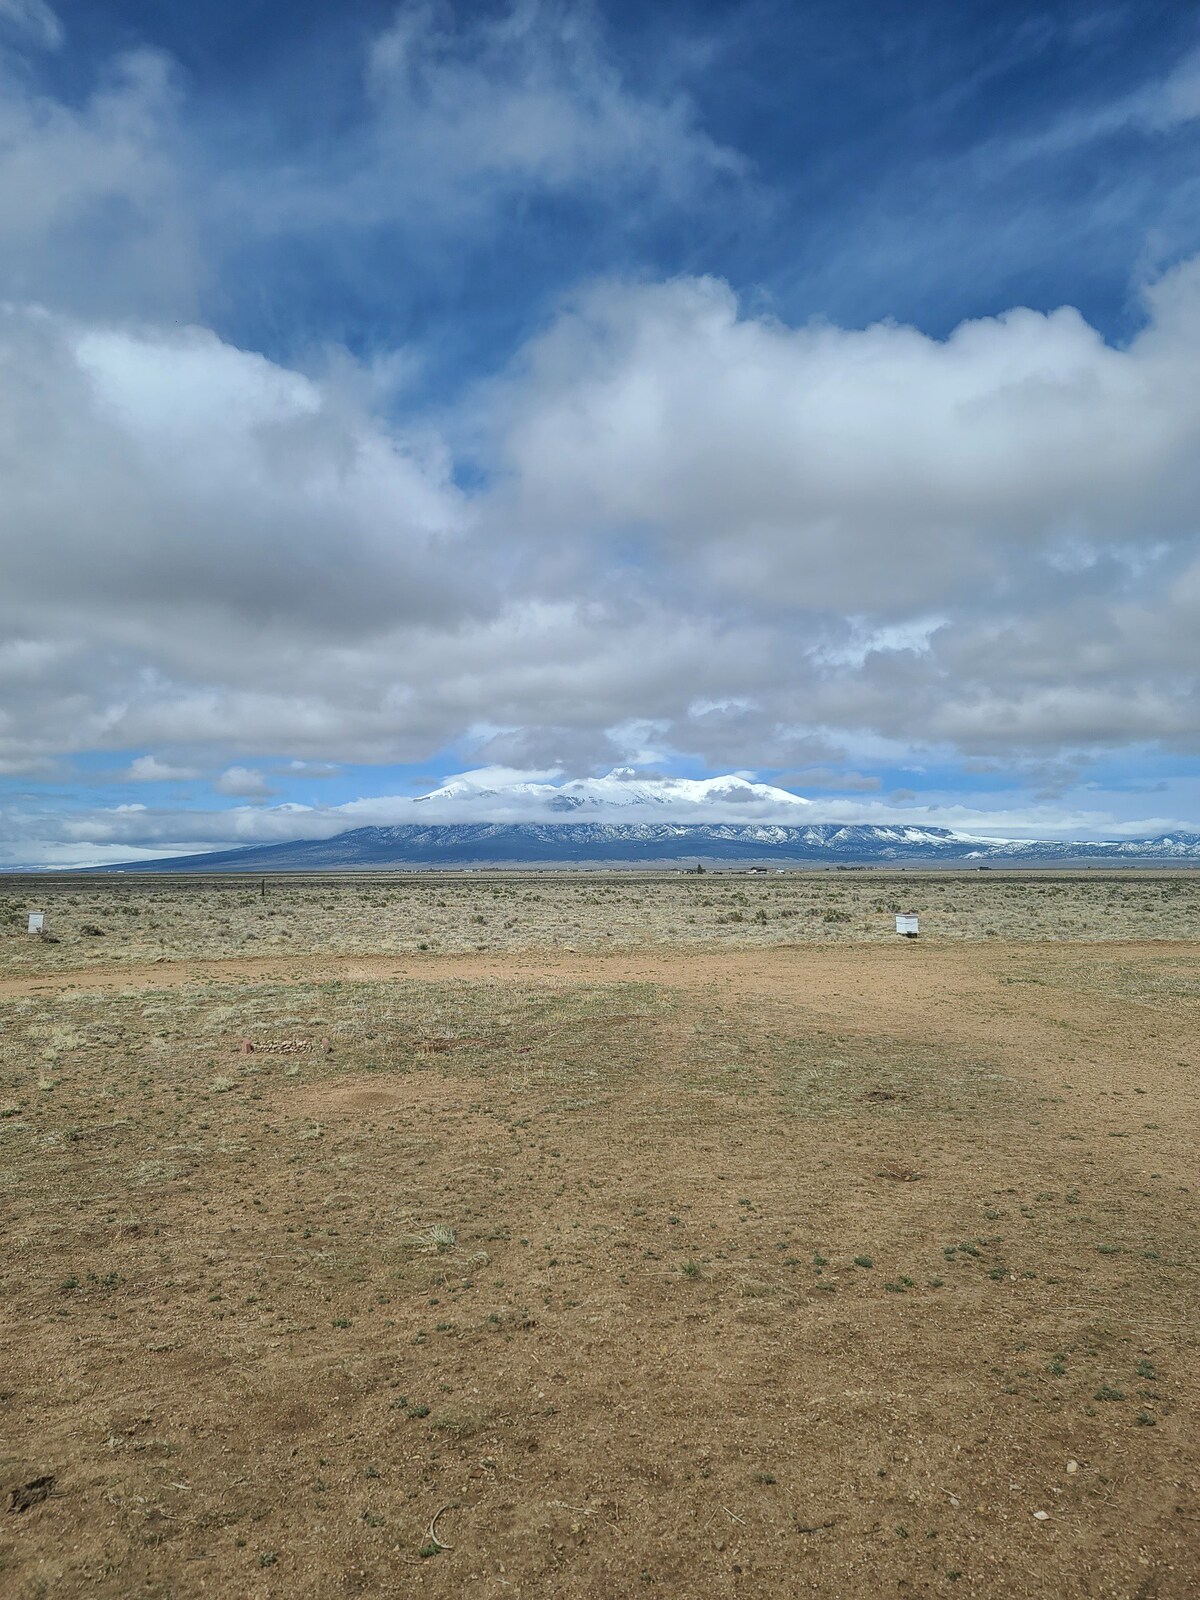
[(648, 843)]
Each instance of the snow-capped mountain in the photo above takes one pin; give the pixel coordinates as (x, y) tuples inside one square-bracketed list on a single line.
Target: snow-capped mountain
[(621, 791), (497, 817), (514, 844), (1165, 847)]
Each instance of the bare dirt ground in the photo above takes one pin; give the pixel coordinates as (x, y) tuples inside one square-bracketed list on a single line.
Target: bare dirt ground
[(762, 1270)]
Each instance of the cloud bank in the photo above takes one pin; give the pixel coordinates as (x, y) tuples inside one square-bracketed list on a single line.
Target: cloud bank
[(758, 542), (670, 528)]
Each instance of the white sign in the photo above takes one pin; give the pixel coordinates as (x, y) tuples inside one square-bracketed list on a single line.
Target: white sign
[(36, 919), (906, 922)]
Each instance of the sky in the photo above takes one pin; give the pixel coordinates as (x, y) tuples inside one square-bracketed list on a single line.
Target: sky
[(798, 389)]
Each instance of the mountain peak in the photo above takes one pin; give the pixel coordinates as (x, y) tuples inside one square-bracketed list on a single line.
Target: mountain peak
[(730, 796)]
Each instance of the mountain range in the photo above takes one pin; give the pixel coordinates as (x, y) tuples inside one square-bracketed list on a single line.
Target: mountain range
[(542, 844)]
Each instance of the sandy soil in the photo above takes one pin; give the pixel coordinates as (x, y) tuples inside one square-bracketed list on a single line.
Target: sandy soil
[(772, 1271)]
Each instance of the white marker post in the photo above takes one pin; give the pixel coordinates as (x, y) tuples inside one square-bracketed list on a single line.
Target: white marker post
[(906, 924), (37, 921)]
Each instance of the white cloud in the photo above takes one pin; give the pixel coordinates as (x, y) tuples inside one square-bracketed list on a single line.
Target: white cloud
[(149, 769), (876, 469), (94, 206), (313, 769), (467, 113), (826, 778), (115, 201), (33, 20), (898, 505), (1177, 99), (243, 783), (192, 535), (1159, 105), (840, 537), (527, 95)]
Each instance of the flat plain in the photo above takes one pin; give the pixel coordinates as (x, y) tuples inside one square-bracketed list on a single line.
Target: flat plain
[(600, 1235)]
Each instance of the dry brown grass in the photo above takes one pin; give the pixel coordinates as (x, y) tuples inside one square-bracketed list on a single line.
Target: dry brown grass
[(145, 919)]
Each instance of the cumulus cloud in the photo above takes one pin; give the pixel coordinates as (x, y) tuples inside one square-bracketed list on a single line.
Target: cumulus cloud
[(984, 544), (894, 503), (877, 469), (197, 521)]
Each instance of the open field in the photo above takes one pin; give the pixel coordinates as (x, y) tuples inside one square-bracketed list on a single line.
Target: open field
[(99, 920), (603, 1252)]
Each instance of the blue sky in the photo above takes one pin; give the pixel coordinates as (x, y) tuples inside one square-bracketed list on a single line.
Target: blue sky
[(801, 390)]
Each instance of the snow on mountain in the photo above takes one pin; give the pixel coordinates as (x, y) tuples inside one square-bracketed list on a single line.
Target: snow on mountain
[(622, 791), (497, 816), (558, 843), (1165, 847)]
